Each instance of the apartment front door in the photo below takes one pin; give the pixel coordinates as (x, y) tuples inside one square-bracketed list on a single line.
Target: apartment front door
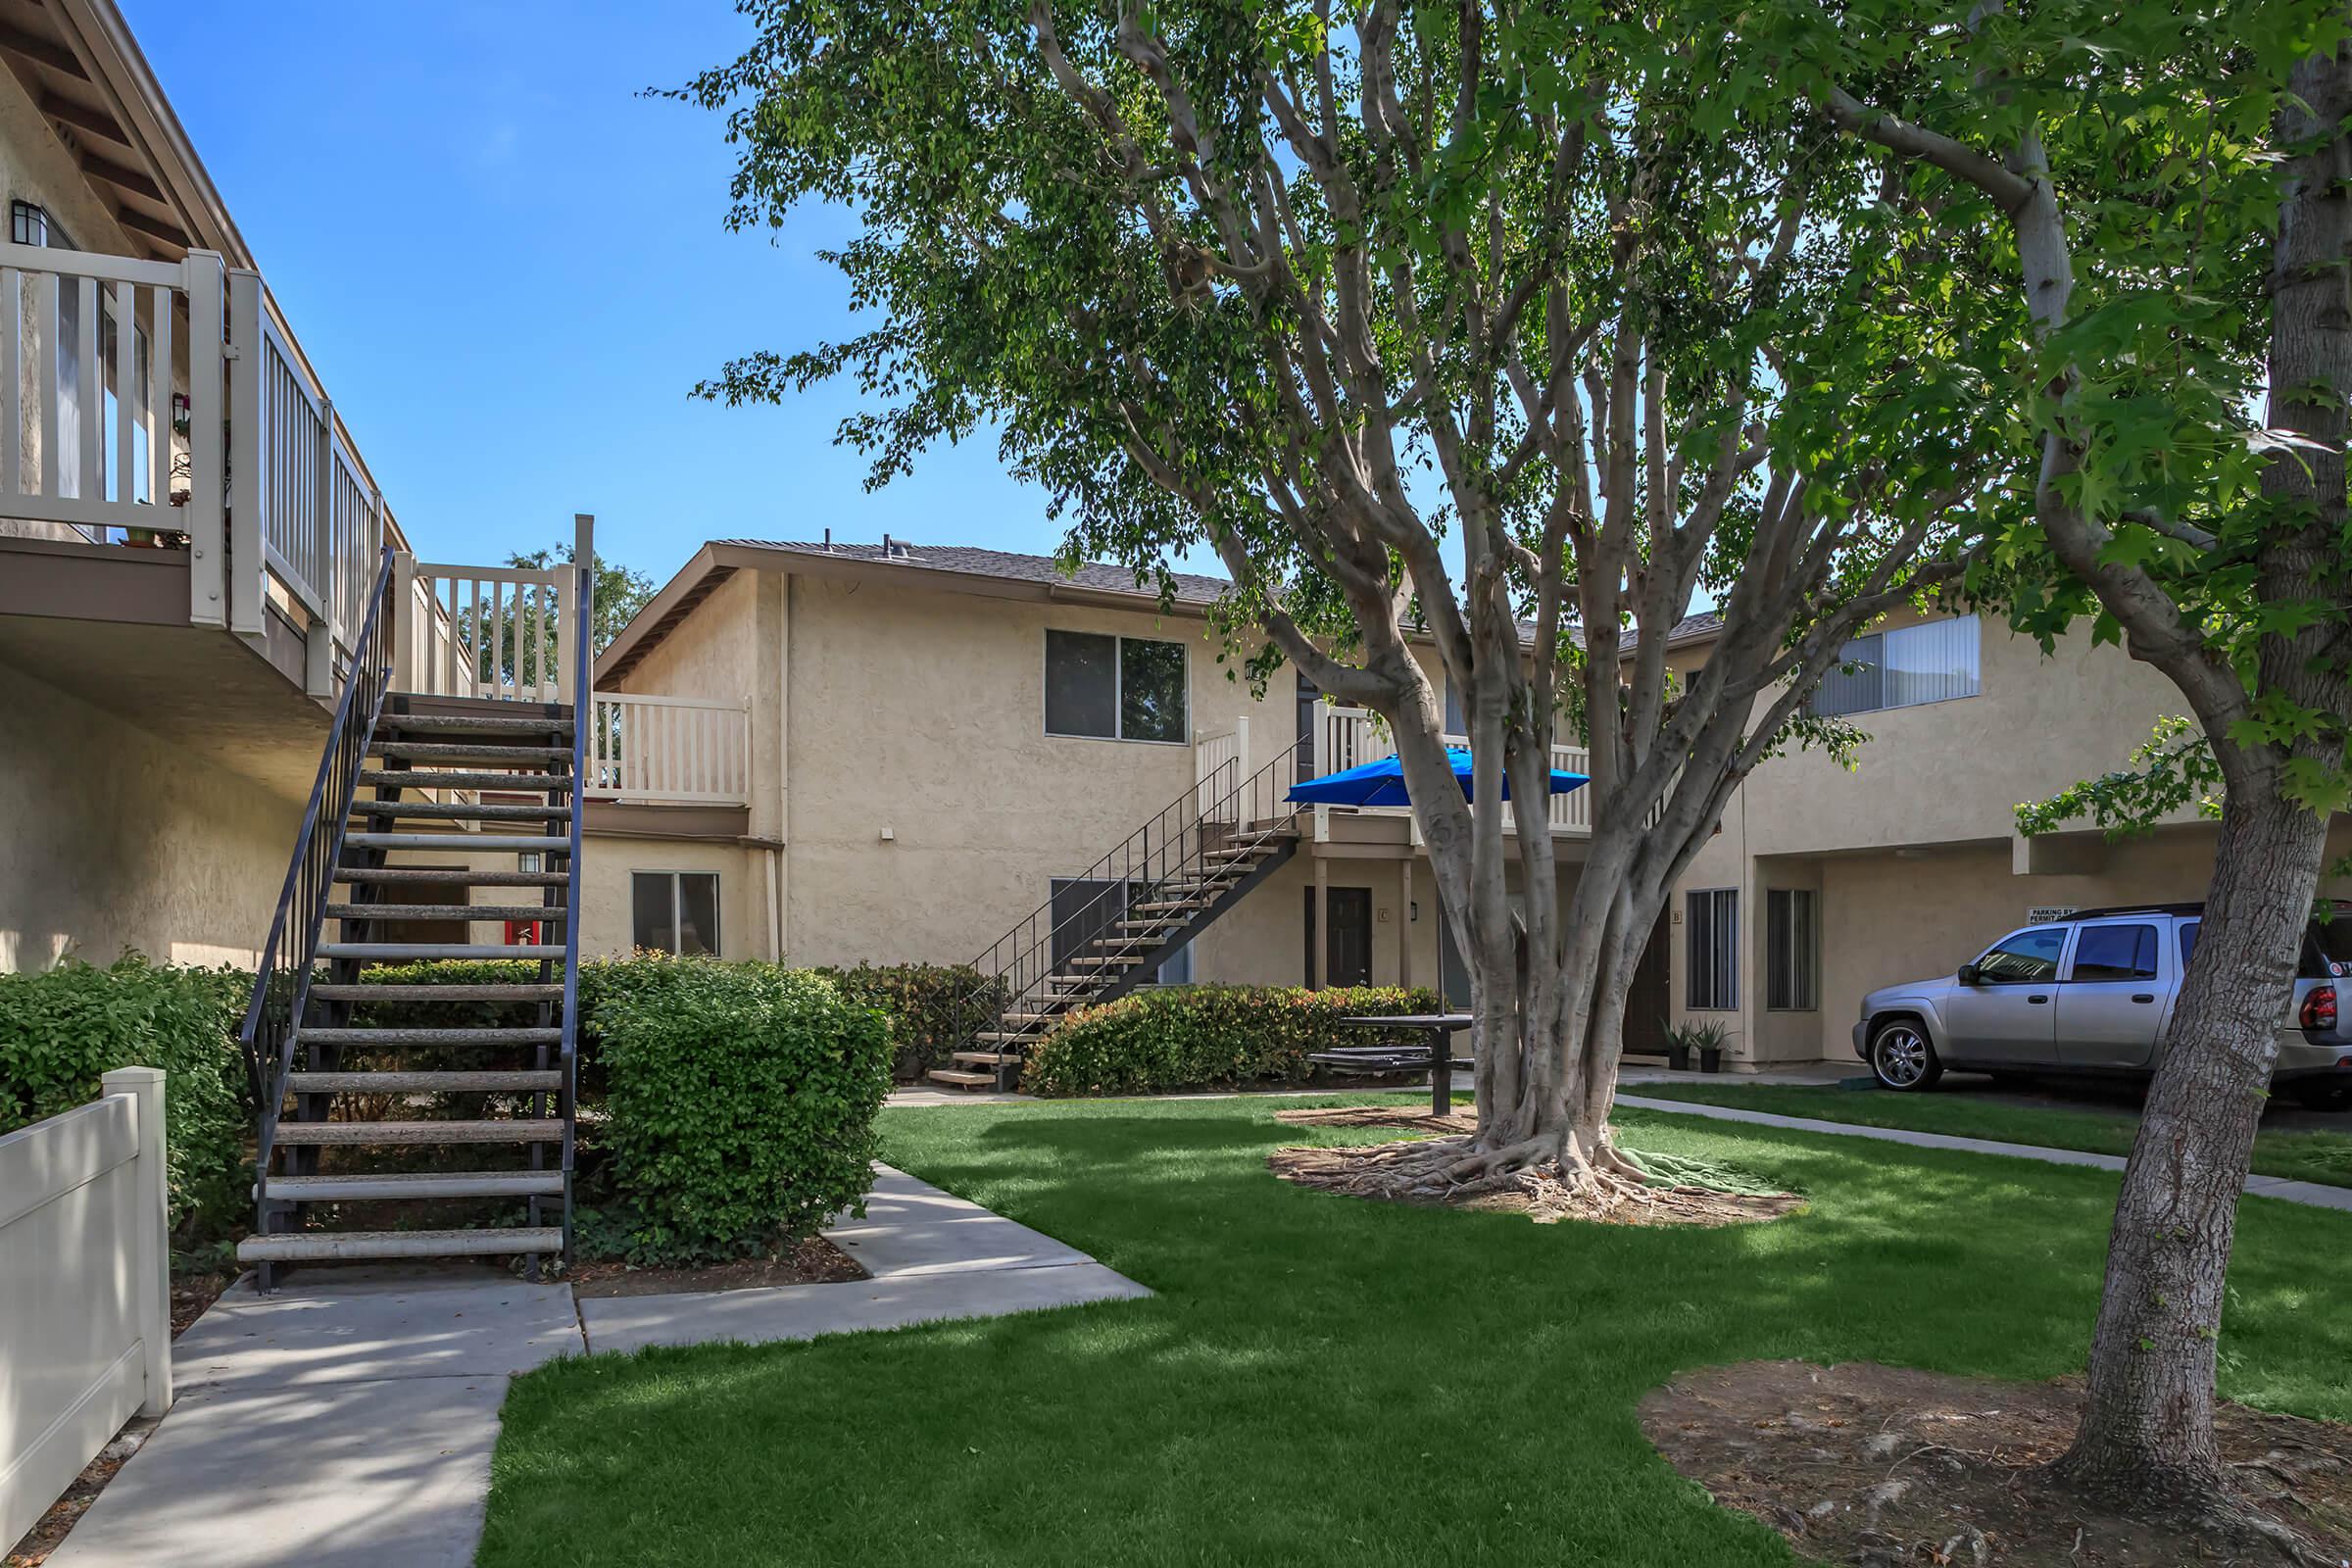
[(1351, 952)]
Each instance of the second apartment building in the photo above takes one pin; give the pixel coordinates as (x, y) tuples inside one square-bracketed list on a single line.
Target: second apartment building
[(893, 752)]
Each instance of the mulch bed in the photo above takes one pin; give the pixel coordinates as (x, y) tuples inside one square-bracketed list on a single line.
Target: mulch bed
[(1359, 1171), (816, 1261), (1881, 1466)]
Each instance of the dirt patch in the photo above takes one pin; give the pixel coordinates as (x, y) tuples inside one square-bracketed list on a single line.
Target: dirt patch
[(1883, 1466), (1370, 1171), (1460, 1121), (816, 1261), (193, 1293)]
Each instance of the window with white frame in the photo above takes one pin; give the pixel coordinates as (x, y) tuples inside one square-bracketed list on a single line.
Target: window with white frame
[(1712, 945), (1115, 688), (1905, 667), (674, 911), (1791, 950)]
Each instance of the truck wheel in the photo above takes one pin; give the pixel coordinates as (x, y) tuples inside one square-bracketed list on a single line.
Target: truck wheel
[(1901, 1059)]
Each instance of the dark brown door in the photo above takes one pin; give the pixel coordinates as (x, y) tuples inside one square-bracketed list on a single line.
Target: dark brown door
[(1350, 958), (1649, 1004)]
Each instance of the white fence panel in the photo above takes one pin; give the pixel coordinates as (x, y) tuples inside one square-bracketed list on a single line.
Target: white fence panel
[(85, 1337), (672, 750)]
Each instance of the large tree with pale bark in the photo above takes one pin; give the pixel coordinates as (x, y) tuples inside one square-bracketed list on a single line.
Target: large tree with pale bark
[(2162, 197), (1520, 330)]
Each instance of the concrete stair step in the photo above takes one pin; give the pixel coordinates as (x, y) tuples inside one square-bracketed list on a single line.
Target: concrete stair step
[(400, 1083), (406, 1184), (448, 911), (417, 952), (348, 991), (988, 1058), (460, 811), (962, 1079), (534, 843), (469, 752), (321, 1035), (1006, 1037), (518, 1130), (425, 778), (396, 874), (318, 1247), (475, 723)]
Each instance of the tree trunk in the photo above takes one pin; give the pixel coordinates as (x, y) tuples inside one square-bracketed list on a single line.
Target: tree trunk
[(2147, 1427)]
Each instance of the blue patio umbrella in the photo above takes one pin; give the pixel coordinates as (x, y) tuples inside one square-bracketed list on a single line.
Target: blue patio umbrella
[(1381, 783)]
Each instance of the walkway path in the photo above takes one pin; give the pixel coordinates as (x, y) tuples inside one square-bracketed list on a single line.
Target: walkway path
[(2315, 1193), (347, 1420)]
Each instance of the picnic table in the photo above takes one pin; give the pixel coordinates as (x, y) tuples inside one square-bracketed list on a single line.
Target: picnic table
[(1432, 1054)]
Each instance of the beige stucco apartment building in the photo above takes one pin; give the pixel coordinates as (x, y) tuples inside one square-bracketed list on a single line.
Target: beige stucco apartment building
[(909, 792), (174, 615), (820, 754)]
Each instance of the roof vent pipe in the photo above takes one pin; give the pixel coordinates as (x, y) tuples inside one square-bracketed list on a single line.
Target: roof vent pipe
[(828, 541)]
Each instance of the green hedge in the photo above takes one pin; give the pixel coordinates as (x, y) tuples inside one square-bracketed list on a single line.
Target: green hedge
[(739, 1104), (929, 1006), (61, 1029), (1207, 1037)]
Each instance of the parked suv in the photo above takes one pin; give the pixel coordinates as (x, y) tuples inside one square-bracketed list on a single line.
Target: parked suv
[(2091, 994)]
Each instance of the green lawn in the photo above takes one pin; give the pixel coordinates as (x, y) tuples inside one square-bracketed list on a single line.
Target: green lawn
[(1326, 1380), (2309, 1156)]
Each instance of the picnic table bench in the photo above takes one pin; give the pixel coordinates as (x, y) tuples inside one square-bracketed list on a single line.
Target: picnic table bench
[(1432, 1054)]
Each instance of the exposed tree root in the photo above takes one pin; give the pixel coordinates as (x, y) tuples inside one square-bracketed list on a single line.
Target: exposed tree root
[(1549, 1179)]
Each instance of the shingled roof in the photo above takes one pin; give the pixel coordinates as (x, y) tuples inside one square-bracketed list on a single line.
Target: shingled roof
[(1190, 588), (679, 599)]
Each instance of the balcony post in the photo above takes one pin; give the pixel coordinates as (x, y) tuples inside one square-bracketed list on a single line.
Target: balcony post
[(208, 553), (246, 445), (583, 584), (407, 628), (327, 623)]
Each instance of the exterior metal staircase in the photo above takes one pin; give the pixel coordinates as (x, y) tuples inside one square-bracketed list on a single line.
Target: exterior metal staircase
[(371, 1130), (1170, 880)]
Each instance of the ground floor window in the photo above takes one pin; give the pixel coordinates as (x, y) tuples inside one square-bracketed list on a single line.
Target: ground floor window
[(674, 911), (1793, 949), (1712, 915)]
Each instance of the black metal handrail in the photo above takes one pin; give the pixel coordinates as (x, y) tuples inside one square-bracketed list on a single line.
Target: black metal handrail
[(1220, 809), (582, 706), (281, 990)]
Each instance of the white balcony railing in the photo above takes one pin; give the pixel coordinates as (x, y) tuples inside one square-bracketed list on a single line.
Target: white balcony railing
[(1212, 749), (167, 403), (682, 751), (1349, 737)]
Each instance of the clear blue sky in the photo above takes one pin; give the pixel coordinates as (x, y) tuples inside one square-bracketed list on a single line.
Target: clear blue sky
[(510, 269)]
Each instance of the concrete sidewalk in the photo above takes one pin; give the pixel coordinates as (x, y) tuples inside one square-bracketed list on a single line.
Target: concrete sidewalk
[(349, 1427), (347, 1420), (2314, 1194), (932, 1255)]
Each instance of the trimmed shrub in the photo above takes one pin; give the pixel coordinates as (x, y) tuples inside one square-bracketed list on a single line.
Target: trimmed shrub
[(1209, 1037), (61, 1029), (929, 1006), (739, 1105)]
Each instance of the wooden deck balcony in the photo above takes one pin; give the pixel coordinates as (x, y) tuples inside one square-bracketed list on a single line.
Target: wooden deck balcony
[(168, 406)]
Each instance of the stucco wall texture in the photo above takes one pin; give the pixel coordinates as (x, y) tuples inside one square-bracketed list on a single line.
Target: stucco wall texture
[(111, 839)]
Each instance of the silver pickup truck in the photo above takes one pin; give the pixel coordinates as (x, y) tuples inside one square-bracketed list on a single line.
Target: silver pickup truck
[(2091, 994)]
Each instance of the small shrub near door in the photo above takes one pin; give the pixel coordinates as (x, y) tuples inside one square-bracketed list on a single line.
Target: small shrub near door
[(740, 1102), (61, 1029), (1209, 1036), (930, 1007)]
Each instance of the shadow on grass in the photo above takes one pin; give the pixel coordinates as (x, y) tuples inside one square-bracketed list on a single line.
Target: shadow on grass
[(1329, 1380)]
